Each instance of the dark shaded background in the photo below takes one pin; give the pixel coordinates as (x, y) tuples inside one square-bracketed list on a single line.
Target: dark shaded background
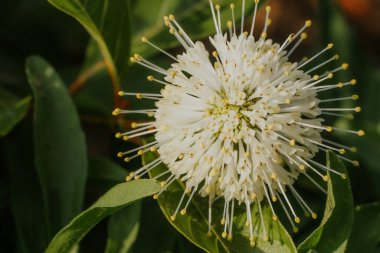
[(35, 27)]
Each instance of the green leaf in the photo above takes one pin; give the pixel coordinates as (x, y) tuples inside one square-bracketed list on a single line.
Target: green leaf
[(60, 148), (194, 16), (103, 174), (194, 225), (105, 170), (153, 223), (26, 195), (332, 234), (365, 235), (12, 110), (114, 200), (108, 22), (123, 228)]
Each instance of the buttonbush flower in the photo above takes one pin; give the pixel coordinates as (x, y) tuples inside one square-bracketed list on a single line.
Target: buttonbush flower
[(241, 122)]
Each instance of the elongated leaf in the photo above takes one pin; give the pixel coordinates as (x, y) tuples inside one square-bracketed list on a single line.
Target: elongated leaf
[(106, 170), (114, 200), (338, 214), (154, 223), (123, 228), (365, 235), (12, 110), (26, 195), (108, 22), (194, 225), (194, 16), (60, 148)]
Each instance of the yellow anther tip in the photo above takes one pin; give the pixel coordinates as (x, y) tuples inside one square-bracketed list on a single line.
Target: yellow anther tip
[(297, 220), (264, 35), (144, 39), (217, 7), (292, 142), (342, 151), (268, 8), (345, 66), (121, 93), (330, 45), (356, 163), (308, 23), (274, 217), (302, 167), (295, 230), (355, 97), (314, 216), (336, 57), (128, 178), (125, 137), (224, 234), (354, 82), (116, 112), (155, 196), (358, 109), (171, 17), (229, 23), (354, 149), (140, 152), (232, 6), (326, 178), (304, 36), (331, 75), (361, 133), (329, 129), (127, 159), (344, 176), (118, 135), (120, 154), (150, 78), (172, 218), (132, 59), (183, 211), (316, 77)]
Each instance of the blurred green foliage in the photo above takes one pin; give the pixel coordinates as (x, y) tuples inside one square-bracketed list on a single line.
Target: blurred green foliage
[(58, 152)]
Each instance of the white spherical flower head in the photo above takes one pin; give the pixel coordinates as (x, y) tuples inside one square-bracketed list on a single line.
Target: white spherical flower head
[(240, 122)]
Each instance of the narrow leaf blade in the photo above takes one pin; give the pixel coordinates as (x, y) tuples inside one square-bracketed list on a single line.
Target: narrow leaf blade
[(108, 22), (60, 148), (114, 200), (338, 214), (12, 110)]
